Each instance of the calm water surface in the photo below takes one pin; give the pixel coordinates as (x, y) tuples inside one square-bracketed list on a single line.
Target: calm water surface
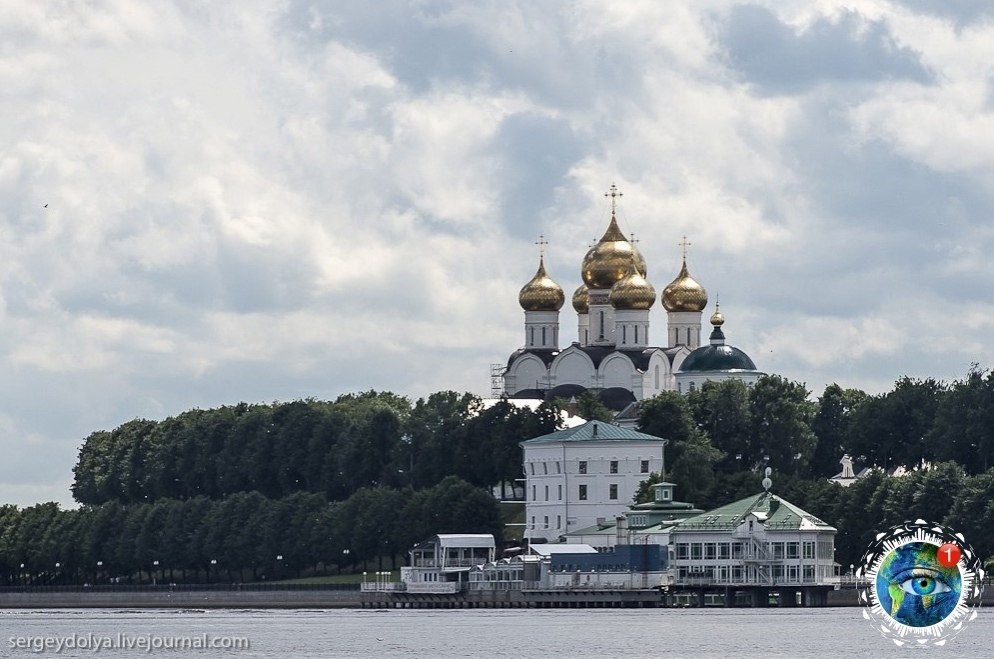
[(765, 633)]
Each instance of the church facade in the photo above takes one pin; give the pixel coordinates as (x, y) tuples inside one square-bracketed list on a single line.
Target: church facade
[(614, 356)]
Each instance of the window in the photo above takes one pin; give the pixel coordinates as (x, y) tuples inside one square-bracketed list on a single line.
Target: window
[(560, 492), (583, 466), (545, 467), (583, 493), (736, 573), (792, 549), (695, 551), (644, 467), (736, 550), (546, 492), (531, 468), (624, 334), (809, 572), (792, 573), (724, 551), (613, 491), (682, 551), (546, 521), (809, 550), (636, 334), (710, 551), (533, 521), (534, 495), (559, 469), (778, 572), (559, 521), (777, 548), (614, 466), (543, 343)]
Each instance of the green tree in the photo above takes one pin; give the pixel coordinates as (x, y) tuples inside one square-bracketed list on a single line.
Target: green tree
[(831, 425), (722, 410), (781, 424)]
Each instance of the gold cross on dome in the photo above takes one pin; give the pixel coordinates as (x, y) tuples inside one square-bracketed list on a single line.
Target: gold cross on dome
[(634, 240), (613, 194), (541, 242), (684, 244)]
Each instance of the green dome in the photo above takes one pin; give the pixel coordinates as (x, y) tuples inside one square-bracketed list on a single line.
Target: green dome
[(717, 358)]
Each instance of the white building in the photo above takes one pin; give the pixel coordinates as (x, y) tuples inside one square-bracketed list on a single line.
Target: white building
[(613, 356), (578, 476), (757, 541), (442, 563)]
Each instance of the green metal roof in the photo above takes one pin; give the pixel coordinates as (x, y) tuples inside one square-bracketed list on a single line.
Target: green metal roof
[(594, 431), (717, 358), (780, 515)]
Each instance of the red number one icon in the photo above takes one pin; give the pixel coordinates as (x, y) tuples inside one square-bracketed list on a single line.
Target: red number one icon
[(948, 555)]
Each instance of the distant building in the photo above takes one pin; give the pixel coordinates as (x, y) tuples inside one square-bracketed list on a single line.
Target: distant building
[(442, 563), (761, 540), (578, 476), (613, 356)]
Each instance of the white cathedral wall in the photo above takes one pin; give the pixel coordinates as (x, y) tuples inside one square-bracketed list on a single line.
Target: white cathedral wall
[(680, 324), (527, 372), (658, 377), (535, 323), (572, 367), (616, 371), (687, 382)]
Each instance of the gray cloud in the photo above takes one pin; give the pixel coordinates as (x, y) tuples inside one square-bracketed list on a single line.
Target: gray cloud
[(778, 59)]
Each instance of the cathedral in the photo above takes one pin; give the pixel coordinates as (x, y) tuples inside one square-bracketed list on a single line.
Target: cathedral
[(613, 357)]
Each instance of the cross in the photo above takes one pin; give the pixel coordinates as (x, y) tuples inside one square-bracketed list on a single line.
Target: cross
[(634, 241), (541, 242), (684, 244), (613, 194)]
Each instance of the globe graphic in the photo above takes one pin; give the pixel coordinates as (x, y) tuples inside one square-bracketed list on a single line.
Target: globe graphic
[(914, 588)]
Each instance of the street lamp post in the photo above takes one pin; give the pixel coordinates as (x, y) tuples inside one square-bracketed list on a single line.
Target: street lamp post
[(96, 576), (345, 557), (24, 577), (155, 566), (211, 569), (279, 561)]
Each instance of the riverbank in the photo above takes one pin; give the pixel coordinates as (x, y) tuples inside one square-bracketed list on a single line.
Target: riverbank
[(272, 597)]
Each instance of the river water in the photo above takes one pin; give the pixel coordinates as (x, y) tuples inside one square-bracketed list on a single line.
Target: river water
[(765, 633)]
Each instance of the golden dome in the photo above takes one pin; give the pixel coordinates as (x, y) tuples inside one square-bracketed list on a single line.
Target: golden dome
[(581, 299), (632, 291), (717, 319), (541, 293), (684, 293), (607, 261)]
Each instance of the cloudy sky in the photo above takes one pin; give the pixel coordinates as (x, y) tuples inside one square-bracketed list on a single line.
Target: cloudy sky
[(205, 203)]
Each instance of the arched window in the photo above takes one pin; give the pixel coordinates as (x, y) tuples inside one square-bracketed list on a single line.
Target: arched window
[(636, 334), (543, 336), (657, 376), (602, 325), (624, 334), (532, 340), (688, 336)]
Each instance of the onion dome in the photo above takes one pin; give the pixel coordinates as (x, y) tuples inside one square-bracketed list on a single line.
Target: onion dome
[(607, 261), (684, 293), (541, 293), (717, 318), (632, 291), (581, 299)]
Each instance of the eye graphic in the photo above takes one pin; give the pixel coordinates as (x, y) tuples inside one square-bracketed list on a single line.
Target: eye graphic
[(923, 583)]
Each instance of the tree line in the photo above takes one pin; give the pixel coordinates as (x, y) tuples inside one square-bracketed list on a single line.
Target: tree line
[(243, 537), (724, 434), (328, 448)]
